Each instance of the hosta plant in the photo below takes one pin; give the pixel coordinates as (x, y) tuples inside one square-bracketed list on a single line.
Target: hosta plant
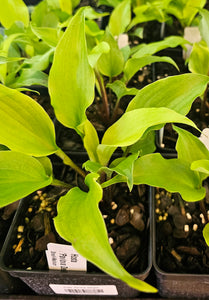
[(29, 135)]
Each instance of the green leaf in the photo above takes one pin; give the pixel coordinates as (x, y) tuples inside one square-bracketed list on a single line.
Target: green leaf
[(28, 77), (97, 51), (122, 133), (49, 35), (120, 89), (125, 167), (201, 166), (111, 64), (5, 52), (80, 222), (175, 92), (24, 125), (71, 78), (12, 11), (39, 62), (20, 175), (147, 12), (120, 18), (44, 16), (204, 25), (135, 64), (199, 59), (154, 170), (145, 145), (206, 233), (189, 147), (149, 49), (185, 11)]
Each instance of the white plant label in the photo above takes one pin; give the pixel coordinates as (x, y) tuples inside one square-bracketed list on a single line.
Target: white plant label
[(69, 289), (64, 257), (191, 34), (122, 40), (205, 137)]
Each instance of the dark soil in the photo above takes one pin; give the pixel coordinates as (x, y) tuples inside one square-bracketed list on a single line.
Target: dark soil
[(180, 246), (125, 214)]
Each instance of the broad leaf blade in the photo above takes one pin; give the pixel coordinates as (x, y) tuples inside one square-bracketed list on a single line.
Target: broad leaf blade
[(189, 147), (120, 18), (120, 89), (111, 64), (80, 222), (123, 133), (24, 125), (176, 92), (151, 48), (135, 64), (201, 166), (199, 59), (12, 11), (71, 79), (21, 175), (204, 25), (154, 170), (28, 77)]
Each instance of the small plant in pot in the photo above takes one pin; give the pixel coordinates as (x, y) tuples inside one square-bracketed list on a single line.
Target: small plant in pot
[(29, 134)]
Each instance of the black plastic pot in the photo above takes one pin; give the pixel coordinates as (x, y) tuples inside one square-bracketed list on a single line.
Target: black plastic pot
[(177, 285), (42, 282)]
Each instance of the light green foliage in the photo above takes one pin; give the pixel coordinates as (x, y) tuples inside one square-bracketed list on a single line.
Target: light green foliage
[(181, 178), (86, 231), (185, 10), (111, 64), (176, 92), (12, 11), (79, 58), (198, 61), (135, 64), (204, 25), (71, 80), (122, 133), (24, 125), (21, 175), (151, 48), (164, 11), (120, 18)]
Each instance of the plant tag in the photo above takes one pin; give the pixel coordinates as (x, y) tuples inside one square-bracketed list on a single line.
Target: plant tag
[(64, 257), (191, 34), (68, 289), (122, 40), (205, 137)]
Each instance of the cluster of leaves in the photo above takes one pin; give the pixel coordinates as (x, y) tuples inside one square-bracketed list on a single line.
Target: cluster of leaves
[(163, 11), (83, 58)]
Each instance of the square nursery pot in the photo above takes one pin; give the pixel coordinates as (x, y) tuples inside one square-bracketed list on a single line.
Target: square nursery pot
[(33, 269), (180, 254), (9, 284)]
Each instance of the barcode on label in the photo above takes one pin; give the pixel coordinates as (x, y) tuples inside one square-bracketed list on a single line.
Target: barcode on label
[(84, 289)]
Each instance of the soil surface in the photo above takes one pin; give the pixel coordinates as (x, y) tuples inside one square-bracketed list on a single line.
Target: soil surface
[(180, 246)]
